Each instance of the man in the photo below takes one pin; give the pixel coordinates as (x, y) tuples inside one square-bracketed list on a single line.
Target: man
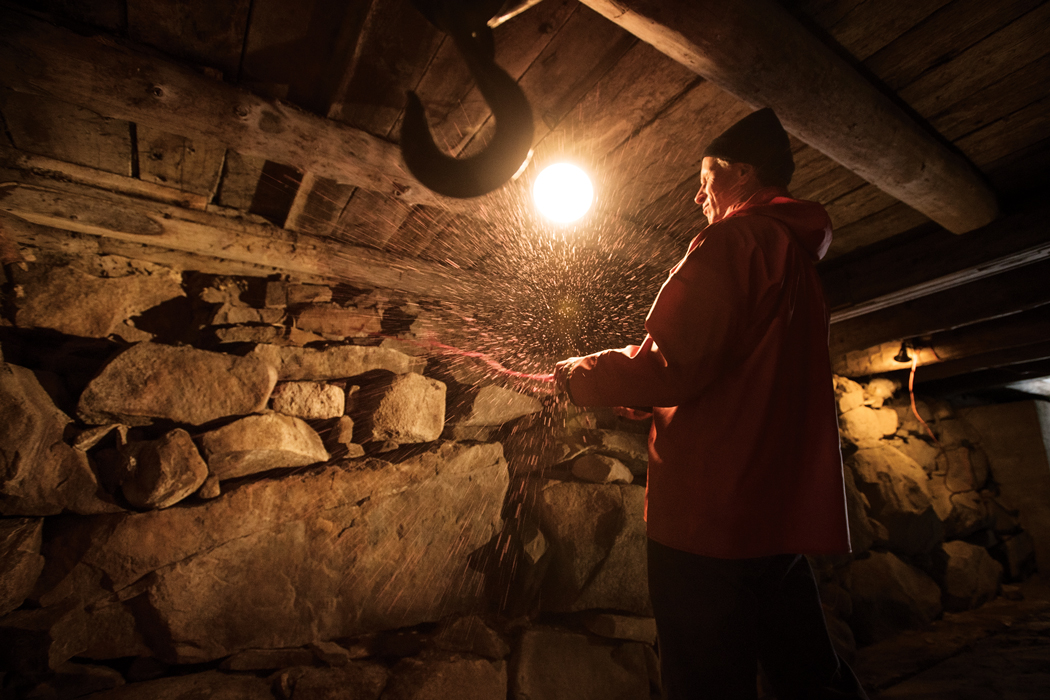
[(745, 472)]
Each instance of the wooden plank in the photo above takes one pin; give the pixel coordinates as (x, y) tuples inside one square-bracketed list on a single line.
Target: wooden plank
[(991, 59), (669, 150), (1009, 333), (943, 36), (83, 210), (874, 228), (871, 25), (830, 186), (393, 51), (986, 299), (372, 219), (317, 206), (934, 255), (64, 242), (986, 379), (641, 86), (106, 14), (817, 95), (1011, 134), (240, 179), (1000, 99), (202, 32), (118, 82), (292, 44), (67, 132), (456, 111), (584, 49), (56, 169), (176, 161), (858, 204)]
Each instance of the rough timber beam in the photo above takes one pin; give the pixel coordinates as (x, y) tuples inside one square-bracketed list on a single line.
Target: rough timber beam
[(757, 51), (74, 207), (118, 82)]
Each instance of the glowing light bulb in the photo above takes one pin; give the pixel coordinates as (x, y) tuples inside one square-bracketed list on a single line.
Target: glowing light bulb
[(563, 192)]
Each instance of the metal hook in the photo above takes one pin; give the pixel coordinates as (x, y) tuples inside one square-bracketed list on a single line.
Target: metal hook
[(497, 163)]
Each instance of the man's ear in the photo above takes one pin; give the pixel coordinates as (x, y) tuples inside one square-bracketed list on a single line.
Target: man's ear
[(746, 171)]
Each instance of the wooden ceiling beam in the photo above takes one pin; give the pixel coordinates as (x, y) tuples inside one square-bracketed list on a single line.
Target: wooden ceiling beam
[(998, 335), (757, 51), (983, 300), (118, 82), (70, 206), (934, 262)]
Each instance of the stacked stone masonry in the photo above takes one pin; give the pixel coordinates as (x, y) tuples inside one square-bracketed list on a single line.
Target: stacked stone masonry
[(283, 485)]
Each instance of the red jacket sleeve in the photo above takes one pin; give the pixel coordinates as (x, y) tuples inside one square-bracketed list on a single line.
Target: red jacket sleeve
[(694, 326)]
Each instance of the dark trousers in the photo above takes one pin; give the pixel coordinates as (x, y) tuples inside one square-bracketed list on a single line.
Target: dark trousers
[(716, 619)]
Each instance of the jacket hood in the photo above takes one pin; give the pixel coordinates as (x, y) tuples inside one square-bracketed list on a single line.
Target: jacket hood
[(808, 221)]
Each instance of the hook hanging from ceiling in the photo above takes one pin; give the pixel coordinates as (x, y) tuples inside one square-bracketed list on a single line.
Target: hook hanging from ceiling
[(466, 21)]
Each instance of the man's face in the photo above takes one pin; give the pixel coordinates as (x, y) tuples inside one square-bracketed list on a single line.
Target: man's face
[(722, 186)]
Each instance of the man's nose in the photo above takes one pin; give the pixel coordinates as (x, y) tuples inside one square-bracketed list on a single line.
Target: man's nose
[(700, 197)]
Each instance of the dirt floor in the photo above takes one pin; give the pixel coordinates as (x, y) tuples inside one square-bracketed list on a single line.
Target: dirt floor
[(1000, 651)]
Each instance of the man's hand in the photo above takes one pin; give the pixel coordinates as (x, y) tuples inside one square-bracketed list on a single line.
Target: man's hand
[(562, 370)]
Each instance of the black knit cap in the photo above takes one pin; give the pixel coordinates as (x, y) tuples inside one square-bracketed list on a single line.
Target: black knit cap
[(760, 140)]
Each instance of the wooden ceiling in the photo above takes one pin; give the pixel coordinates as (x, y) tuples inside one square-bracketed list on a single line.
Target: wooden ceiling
[(180, 114)]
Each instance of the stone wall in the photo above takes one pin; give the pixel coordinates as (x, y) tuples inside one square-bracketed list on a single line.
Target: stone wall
[(251, 487), (264, 488)]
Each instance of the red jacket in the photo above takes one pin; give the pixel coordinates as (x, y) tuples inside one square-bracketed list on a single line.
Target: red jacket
[(744, 456)]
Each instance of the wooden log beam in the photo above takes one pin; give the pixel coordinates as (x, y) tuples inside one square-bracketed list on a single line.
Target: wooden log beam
[(985, 379), (74, 207), (756, 50), (983, 300), (121, 83)]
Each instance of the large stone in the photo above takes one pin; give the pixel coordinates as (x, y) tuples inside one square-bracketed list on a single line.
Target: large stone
[(638, 629), (597, 540), (150, 381), (494, 405), (278, 563), (20, 560), (73, 302), (878, 391), (403, 409), (338, 362), (230, 315), (963, 512), (213, 685), (923, 453), (164, 471), (863, 424), (971, 578), (39, 473), (471, 635), (268, 659), (259, 443), (963, 469), (309, 400), (554, 664), (41, 639), (444, 678), (899, 493), (335, 321), (71, 680), (861, 530), (357, 681), (601, 469), (890, 596), (848, 394)]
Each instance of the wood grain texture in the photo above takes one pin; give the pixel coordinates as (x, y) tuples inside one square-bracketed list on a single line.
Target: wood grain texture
[(874, 228), (202, 32), (66, 132), (176, 161), (991, 298), (819, 97), (101, 179), (84, 210), (123, 84)]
